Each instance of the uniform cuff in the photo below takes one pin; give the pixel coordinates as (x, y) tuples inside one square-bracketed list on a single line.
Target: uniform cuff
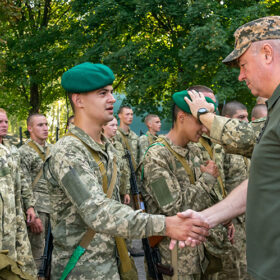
[(156, 225), (217, 127)]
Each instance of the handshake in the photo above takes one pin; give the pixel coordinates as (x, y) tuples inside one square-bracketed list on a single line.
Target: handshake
[(189, 227)]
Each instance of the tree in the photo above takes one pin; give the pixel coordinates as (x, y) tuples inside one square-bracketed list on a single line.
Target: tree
[(36, 53), (159, 47)]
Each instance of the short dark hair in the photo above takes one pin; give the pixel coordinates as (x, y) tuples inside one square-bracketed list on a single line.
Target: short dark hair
[(231, 107), (256, 112), (200, 88), (69, 119), (31, 116), (175, 111), (123, 107)]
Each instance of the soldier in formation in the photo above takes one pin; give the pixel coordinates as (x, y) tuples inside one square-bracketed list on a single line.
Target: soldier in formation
[(33, 154)]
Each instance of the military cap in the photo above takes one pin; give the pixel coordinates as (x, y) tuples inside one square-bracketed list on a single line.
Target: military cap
[(178, 98), (267, 28), (87, 77)]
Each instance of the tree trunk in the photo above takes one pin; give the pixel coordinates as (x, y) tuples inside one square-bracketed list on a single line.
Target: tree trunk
[(34, 98)]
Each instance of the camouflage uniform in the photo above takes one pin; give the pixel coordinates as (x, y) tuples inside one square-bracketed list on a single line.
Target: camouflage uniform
[(217, 246), (13, 232), (78, 202), (236, 170), (144, 141), (132, 140), (167, 190), (31, 164), (125, 171), (235, 136)]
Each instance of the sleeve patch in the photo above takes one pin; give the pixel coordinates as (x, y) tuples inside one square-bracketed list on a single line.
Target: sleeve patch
[(75, 187), (4, 171), (161, 192)]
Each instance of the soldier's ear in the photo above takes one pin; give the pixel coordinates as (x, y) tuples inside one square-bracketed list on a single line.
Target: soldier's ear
[(78, 100), (267, 53)]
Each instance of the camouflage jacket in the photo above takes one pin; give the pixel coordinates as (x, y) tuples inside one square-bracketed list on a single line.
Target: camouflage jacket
[(78, 202), (13, 232), (237, 137), (144, 141), (31, 164), (124, 167), (167, 190), (132, 140)]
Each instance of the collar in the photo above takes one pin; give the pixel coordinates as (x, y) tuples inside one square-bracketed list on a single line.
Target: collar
[(273, 99)]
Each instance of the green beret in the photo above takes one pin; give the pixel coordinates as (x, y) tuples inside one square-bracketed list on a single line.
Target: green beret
[(178, 98), (87, 77)]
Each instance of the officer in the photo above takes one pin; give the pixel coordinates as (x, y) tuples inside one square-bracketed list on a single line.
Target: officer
[(81, 169), (257, 52), (33, 154)]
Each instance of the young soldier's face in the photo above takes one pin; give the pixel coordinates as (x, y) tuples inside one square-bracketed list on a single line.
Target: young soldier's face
[(38, 128), (98, 105), (126, 116), (110, 129), (242, 115), (3, 124), (193, 129), (155, 124)]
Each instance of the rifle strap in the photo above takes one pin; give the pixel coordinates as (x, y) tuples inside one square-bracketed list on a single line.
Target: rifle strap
[(125, 141), (43, 156), (181, 159), (174, 262), (208, 148), (88, 236)]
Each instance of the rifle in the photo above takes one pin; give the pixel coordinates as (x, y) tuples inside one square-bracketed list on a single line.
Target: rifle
[(45, 269), (152, 255), (20, 136)]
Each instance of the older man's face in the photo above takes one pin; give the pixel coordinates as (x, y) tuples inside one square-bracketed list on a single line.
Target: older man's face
[(252, 72)]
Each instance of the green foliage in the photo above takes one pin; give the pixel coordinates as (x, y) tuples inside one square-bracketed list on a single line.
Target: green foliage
[(154, 47)]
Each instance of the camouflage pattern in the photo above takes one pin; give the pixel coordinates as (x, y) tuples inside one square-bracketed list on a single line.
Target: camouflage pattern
[(167, 190), (122, 162), (132, 141), (13, 232), (31, 164), (144, 141), (236, 170), (218, 243), (78, 202), (236, 137), (266, 28)]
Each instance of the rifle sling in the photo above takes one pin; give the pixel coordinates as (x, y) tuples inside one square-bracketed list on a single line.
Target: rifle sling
[(129, 149), (88, 236), (43, 157), (208, 148), (174, 262), (181, 159)]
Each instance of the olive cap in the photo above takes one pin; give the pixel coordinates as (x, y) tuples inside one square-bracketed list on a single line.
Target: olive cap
[(266, 28)]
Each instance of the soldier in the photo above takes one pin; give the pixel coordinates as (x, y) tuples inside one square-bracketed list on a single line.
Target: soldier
[(257, 52), (236, 170), (80, 170), (33, 154), (110, 130), (259, 111), (125, 135), (144, 141), (174, 180), (261, 100), (13, 232)]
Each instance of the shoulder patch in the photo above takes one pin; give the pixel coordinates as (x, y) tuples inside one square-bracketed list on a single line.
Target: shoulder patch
[(161, 192)]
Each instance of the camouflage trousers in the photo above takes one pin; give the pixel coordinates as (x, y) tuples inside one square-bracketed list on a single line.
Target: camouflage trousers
[(37, 241)]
